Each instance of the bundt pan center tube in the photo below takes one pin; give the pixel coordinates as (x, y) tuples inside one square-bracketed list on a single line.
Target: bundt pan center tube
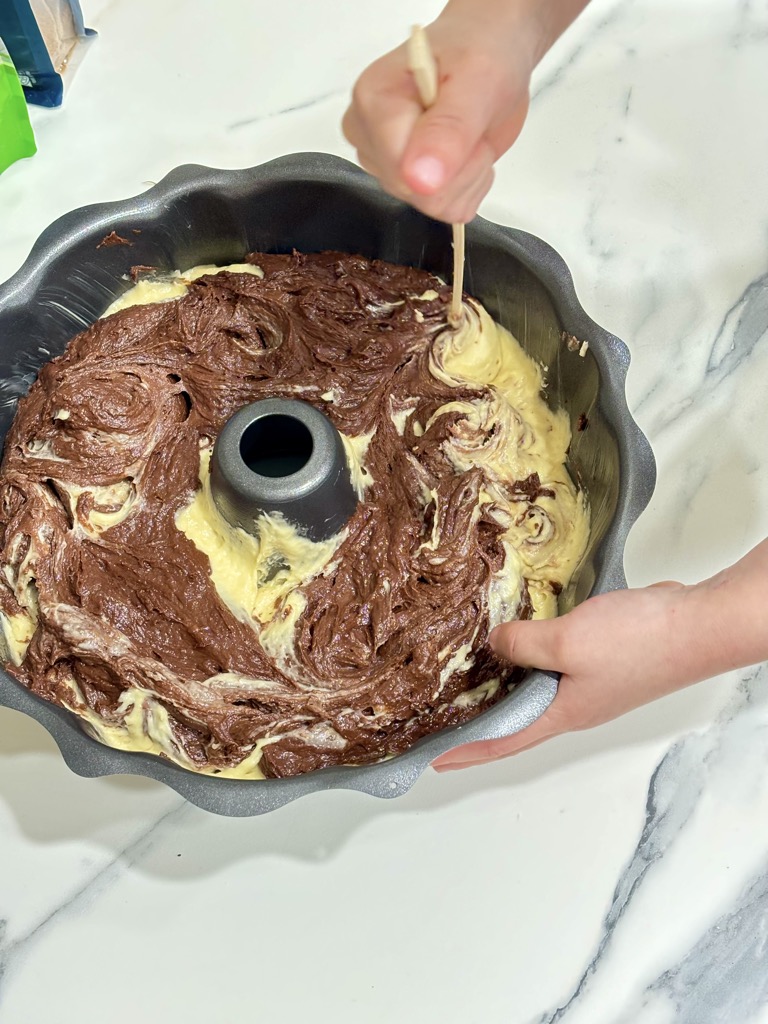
[(311, 203), (282, 456)]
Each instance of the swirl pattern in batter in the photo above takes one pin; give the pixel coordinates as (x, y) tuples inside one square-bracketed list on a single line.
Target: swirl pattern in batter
[(127, 599)]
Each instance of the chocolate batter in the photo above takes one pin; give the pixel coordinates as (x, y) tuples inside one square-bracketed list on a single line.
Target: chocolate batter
[(120, 600)]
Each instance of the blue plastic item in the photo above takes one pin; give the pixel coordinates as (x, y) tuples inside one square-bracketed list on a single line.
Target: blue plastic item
[(41, 81)]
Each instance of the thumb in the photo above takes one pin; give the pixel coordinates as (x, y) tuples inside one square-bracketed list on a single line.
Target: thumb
[(531, 644), (446, 136)]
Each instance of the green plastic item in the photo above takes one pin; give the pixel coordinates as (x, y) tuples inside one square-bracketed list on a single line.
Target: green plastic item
[(16, 138)]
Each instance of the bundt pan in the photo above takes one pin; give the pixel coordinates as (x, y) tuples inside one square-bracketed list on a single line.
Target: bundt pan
[(312, 202)]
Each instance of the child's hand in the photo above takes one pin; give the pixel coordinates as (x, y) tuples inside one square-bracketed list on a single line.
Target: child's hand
[(626, 648), (441, 160)]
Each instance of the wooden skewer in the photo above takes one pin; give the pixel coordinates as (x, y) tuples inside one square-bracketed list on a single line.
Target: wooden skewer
[(423, 67)]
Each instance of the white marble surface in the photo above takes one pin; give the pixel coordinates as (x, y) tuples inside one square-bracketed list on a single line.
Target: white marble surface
[(610, 877)]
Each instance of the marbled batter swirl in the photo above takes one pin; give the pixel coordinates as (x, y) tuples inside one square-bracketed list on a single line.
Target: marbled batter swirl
[(115, 605)]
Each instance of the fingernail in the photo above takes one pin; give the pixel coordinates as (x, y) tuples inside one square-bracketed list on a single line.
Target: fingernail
[(429, 172)]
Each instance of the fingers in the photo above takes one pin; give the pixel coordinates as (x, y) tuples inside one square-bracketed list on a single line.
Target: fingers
[(458, 203), (537, 644), (446, 136), (440, 160), (484, 751), (381, 118)]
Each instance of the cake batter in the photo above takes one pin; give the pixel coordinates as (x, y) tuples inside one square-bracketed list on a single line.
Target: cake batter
[(125, 597)]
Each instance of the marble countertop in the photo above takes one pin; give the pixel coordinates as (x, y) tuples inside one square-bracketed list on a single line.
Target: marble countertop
[(619, 875)]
